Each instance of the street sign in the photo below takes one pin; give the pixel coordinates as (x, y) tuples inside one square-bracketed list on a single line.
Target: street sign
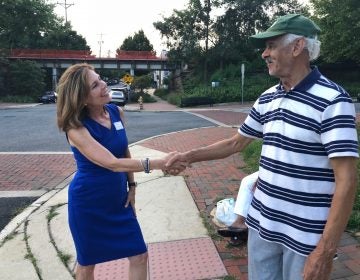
[(127, 78)]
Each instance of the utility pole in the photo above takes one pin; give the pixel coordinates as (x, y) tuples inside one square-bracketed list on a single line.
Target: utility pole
[(100, 43), (66, 6)]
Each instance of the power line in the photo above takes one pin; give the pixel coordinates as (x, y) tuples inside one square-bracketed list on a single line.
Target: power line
[(66, 6)]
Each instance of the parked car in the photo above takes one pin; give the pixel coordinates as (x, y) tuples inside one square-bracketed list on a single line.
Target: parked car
[(112, 82), (125, 88), (48, 97), (118, 96)]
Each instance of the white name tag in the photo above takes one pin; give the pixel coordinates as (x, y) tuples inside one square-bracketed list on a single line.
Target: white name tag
[(118, 125)]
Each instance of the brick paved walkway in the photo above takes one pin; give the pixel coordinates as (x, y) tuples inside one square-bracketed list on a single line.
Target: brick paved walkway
[(20, 172)]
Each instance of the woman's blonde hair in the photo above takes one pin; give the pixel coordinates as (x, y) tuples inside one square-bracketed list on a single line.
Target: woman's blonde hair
[(73, 90)]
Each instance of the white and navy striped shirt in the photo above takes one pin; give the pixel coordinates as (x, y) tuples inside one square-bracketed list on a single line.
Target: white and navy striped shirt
[(301, 130)]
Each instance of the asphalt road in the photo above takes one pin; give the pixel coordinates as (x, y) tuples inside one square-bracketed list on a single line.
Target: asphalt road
[(34, 129)]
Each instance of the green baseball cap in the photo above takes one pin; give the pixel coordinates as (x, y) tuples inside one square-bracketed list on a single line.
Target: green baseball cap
[(291, 23)]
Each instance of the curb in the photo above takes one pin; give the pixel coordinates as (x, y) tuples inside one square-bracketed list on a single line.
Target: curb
[(20, 218)]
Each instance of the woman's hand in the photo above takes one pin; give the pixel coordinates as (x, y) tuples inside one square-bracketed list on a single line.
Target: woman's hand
[(178, 163), (131, 199)]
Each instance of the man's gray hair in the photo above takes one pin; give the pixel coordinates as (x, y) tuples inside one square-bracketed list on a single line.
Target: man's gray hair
[(312, 44)]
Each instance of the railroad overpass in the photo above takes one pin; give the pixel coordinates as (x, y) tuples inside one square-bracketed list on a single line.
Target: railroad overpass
[(124, 60)]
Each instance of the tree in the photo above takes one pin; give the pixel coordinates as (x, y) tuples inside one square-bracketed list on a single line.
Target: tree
[(64, 38), (23, 22), (138, 42), (243, 19), (196, 37), (33, 24), (339, 21), (188, 33), (142, 82), (26, 79), (30, 24)]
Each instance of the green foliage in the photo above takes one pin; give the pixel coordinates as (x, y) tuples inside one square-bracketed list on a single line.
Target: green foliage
[(340, 36), (147, 98), (142, 82), (354, 221), (138, 42), (111, 73), (251, 155), (4, 63), (62, 37), (198, 35), (161, 92), (26, 79), (17, 99), (185, 29), (33, 24), (171, 97), (174, 99), (230, 88), (23, 22)]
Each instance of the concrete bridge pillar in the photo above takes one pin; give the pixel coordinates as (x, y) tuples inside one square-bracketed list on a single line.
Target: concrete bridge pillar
[(132, 72), (54, 78)]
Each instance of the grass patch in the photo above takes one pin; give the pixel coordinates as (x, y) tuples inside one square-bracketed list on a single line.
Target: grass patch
[(251, 155), (64, 258), (29, 255), (229, 277), (209, 226), (17, 99), (52, 213), (9, 237)]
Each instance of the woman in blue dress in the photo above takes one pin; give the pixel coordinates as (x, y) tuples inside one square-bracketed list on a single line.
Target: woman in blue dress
[(101, 202)]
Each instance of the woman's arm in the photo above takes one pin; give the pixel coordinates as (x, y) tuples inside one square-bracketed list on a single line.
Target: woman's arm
[(98, 154)]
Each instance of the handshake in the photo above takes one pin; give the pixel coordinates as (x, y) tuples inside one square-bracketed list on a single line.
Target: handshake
[(174, 163)]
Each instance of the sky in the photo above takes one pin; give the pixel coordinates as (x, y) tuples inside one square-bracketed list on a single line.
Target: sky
[(111, 21)]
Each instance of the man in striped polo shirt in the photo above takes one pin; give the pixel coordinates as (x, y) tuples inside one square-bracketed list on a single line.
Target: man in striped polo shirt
[(307, 174)]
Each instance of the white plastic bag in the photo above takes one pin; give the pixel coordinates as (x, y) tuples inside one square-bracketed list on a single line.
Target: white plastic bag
[(245, 194), (225, 211)]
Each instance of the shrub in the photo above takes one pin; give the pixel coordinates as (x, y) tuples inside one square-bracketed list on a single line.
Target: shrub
[(147, 98), (26, 78), (161, 92), (174, 99)]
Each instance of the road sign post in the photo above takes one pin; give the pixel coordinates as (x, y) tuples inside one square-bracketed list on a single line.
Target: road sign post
[(242, 82)]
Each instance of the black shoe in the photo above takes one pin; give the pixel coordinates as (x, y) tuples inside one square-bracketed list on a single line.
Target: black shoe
[(234, 233)]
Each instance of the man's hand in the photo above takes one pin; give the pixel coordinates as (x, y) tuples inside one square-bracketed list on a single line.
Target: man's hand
[(318, 266), (175, 163)]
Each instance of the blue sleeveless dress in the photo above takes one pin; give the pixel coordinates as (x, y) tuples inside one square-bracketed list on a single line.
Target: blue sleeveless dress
[(101, 227)]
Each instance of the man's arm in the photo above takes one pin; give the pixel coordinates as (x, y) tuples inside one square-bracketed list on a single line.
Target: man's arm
[(319, 262), (218, 150)]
